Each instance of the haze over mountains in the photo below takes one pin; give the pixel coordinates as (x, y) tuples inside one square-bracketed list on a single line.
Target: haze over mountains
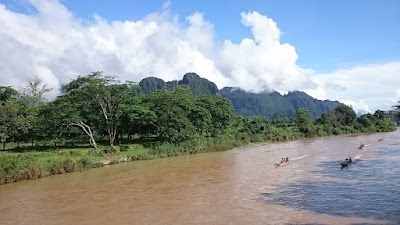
[(268, 104)]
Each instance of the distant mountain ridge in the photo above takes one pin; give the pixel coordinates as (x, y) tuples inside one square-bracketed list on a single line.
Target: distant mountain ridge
[(271, 105), (197, 84)]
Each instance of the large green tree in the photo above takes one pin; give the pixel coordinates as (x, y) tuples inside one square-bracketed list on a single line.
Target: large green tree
[(57, 116), (344, 114), (172, 110), (102, 95), (221, 111), (139, 118), (15, 121), (7, 93), (302, 118)]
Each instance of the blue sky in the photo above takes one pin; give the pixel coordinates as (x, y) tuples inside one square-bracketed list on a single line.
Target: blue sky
[(327, 34), (341, 50)]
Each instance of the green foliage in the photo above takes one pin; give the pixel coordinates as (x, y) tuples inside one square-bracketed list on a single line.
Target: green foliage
[(179, 116), (385, 125), (379, 114), (274, 105), (55, 117), (342, 120), (115, 149), (103, 108), (221, 112), (139, 152), (16, 120), (302, 118), (265, 104), (102, 102), (366, 120), (7, 93), (344, 114), (24, 166)]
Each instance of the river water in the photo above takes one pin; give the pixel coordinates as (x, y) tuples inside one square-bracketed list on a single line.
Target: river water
[(241, 186)]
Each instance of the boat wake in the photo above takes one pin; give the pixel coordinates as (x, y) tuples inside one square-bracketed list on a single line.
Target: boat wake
[(357, 157), (285, 162), (388, 139), (298, 158)]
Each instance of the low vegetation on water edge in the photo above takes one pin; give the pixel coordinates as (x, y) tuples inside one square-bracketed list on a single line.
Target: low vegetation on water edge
[(97, 121), (31, 165), (27, 163)]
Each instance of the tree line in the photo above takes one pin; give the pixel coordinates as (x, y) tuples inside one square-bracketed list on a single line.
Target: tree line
[(96, 107)]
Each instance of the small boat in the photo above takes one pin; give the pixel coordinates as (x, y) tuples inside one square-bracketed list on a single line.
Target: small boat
[(346, 162), (282, 162), (361, 146)]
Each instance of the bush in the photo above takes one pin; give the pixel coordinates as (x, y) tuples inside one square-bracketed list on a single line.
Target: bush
[(69, 165), (33, 171), (85, 163), (166, 150), (124, 148), (115, 149)]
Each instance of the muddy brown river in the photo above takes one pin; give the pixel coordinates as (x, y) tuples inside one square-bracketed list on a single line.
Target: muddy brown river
[(240, 186)]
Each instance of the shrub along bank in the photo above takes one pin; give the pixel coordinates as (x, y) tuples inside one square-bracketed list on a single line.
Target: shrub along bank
[(25, 165)]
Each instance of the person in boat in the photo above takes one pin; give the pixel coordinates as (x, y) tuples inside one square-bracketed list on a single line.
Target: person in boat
[(287, 159), (282, 160), (350, 160)]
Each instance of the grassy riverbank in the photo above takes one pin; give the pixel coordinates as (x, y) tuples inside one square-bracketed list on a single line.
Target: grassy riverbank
[(28, 163)]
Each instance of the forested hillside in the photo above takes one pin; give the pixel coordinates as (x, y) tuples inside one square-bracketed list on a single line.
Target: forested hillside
[(271, 105), (274, 105)]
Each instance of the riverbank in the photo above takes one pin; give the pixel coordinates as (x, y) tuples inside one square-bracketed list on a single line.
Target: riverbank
[(33, 164)]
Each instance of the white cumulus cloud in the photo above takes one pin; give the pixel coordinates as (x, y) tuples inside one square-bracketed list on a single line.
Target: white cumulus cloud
[(262, 63), (54, 43), (366, 88)]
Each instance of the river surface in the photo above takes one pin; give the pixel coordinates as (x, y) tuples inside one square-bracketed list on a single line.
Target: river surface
[(241, 186)]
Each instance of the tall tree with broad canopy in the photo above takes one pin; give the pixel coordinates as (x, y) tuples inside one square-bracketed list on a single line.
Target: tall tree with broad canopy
[(172, 110), (139, 118), (15, 121), (221, 112), (32, 95), (344, 114), (57, 116), (106, 95)]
